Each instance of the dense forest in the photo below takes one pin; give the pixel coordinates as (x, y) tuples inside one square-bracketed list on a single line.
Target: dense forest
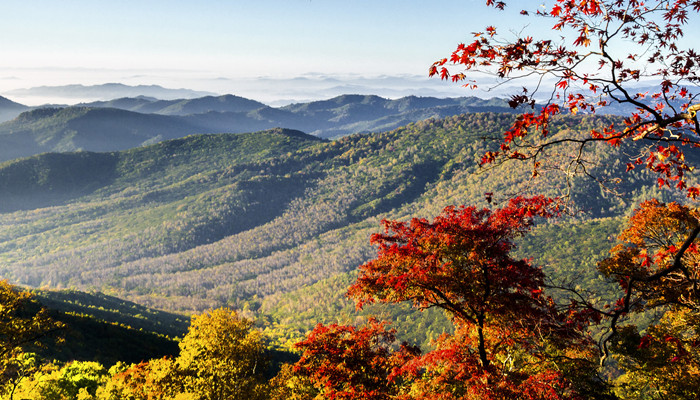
[(85, 346), (246, 220), (274, 224)]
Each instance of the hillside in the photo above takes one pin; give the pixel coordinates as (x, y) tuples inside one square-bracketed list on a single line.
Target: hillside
[(131, 122), (114, 311), (97, 327), (254, 220), (78, 128), (90, 339), (9, 109)]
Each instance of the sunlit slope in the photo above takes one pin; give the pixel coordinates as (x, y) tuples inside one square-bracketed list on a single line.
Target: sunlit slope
[(241, 220)]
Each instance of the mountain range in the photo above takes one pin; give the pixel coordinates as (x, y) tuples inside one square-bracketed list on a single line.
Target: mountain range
[(131, 122)]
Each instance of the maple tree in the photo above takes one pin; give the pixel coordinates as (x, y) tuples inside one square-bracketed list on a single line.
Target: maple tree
[(350, 363), (460, 262), (657, 264), (541, 369), (658, 260), (597, 53)]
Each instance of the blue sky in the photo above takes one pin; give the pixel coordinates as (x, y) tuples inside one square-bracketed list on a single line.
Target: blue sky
[(226, 46), (215, 45), (242, 38)]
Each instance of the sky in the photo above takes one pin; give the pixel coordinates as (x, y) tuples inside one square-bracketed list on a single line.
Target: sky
[(225, 45), (268, 50)]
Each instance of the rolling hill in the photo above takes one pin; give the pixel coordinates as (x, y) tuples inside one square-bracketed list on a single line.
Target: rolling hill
[(77, 128), (330, 118), (97, 327)]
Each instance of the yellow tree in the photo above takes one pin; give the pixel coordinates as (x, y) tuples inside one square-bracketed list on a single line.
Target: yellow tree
[(657, 265), (156, 379), (222, 357), (22, 323)]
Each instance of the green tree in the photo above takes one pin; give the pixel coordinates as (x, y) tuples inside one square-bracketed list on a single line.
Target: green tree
[(77, 380)]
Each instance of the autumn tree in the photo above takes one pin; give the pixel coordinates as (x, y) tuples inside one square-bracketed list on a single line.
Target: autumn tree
[(23, 324), (222, 357), (657, 264), (664, 361), (347, 363), (289, 385), (597, 54), (508, 332), (24, 366), (156, 379)]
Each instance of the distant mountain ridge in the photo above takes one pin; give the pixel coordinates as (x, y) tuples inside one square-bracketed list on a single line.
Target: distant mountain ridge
[(131, 122), (142, 104), (108, 91)]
